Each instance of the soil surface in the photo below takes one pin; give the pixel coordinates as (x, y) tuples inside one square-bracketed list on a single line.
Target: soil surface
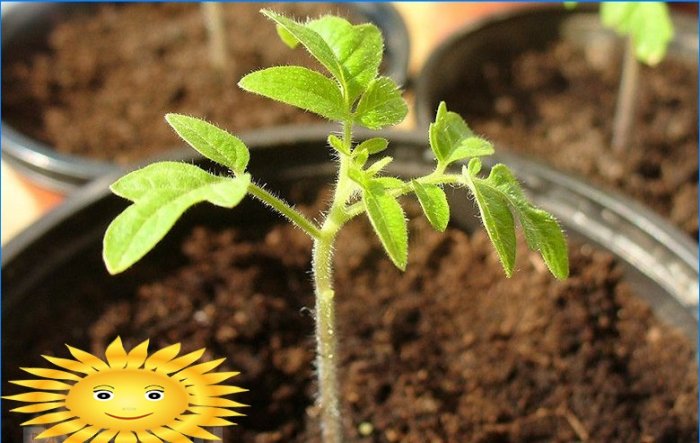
[(449, 351), (558, 104), (108, 77)]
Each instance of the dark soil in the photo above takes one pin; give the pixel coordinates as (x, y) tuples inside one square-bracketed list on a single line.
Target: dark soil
[(558, 105), (449, 351), (109, 77)]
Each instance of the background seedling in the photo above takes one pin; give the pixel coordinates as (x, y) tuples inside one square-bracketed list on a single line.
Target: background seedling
[(648, 30), (353, 94)]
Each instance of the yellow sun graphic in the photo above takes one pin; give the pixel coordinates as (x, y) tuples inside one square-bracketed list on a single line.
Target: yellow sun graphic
[(131, 397)]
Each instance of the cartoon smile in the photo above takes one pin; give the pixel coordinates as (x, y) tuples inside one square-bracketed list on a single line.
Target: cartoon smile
[(129, 418)]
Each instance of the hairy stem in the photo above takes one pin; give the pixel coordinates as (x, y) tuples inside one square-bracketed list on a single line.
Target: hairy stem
[(326, 339), (322, 266), (626, 100), (285, 210)]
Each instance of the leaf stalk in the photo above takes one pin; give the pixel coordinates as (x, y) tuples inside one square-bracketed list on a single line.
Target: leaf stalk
[(285, 209)]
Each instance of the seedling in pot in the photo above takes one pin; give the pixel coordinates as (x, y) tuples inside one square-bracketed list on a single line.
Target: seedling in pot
[(351, 93), (649, 30)]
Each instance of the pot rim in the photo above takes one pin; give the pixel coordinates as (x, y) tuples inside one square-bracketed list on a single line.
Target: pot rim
[(63, 173)]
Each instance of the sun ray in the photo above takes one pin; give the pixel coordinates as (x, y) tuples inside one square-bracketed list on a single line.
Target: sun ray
[(44, 385), (105, 436), (87, 358), (129, 396), (116, 354), (213, 401), (170, 435), (53, 417), (82, 435), (215, 390), (188, 425), (179, 363), (161, 357), (35, 397), (198, 369), (208, 411), (67, 427), (51, 373), (147, 437), (215, 421), (71, 365), (217, 377), (39, 407), (137, 356), (126, 437)]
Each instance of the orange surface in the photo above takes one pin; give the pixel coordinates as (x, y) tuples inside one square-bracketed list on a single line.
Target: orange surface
[(428, 23)]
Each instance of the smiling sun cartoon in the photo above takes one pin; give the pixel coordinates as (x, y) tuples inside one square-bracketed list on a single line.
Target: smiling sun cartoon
[(132, 397)]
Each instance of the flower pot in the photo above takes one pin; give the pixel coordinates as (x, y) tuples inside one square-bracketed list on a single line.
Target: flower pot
[(74, 106), (426, 354), (543, 82)]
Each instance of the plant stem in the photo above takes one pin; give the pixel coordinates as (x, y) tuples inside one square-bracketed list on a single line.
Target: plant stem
[(626, 100), (322, 266), (285, 210), (326, 340), (214, 22)]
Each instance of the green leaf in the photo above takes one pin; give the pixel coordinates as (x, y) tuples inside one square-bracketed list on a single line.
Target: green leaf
[(358, 176), (286, 37), (358, 49), (311, 40), (373, 145), (337, 144), (361, 158), (542, 231), (210, 141), (378, 165), (434, 203), (388, 220), (161, 192), (300, 87), (648, 24), (474, 166), (496, 196), (498, 221), (381, 105), (452, 140), (390, 182)]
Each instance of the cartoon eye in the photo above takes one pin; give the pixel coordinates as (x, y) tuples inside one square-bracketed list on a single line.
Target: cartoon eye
[(102, 395), (154, 395)]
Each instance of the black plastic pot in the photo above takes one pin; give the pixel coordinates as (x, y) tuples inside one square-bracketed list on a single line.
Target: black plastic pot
[(456, 62), (54, 281), (25, 28)]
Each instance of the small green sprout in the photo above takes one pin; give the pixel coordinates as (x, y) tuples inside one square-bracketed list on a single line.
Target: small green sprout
[(351, 93), (647, 24)]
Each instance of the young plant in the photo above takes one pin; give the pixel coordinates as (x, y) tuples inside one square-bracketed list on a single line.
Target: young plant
[(351, 93), (649, 30)]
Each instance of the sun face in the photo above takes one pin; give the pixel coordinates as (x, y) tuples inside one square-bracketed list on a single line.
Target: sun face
[(129, 397)]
